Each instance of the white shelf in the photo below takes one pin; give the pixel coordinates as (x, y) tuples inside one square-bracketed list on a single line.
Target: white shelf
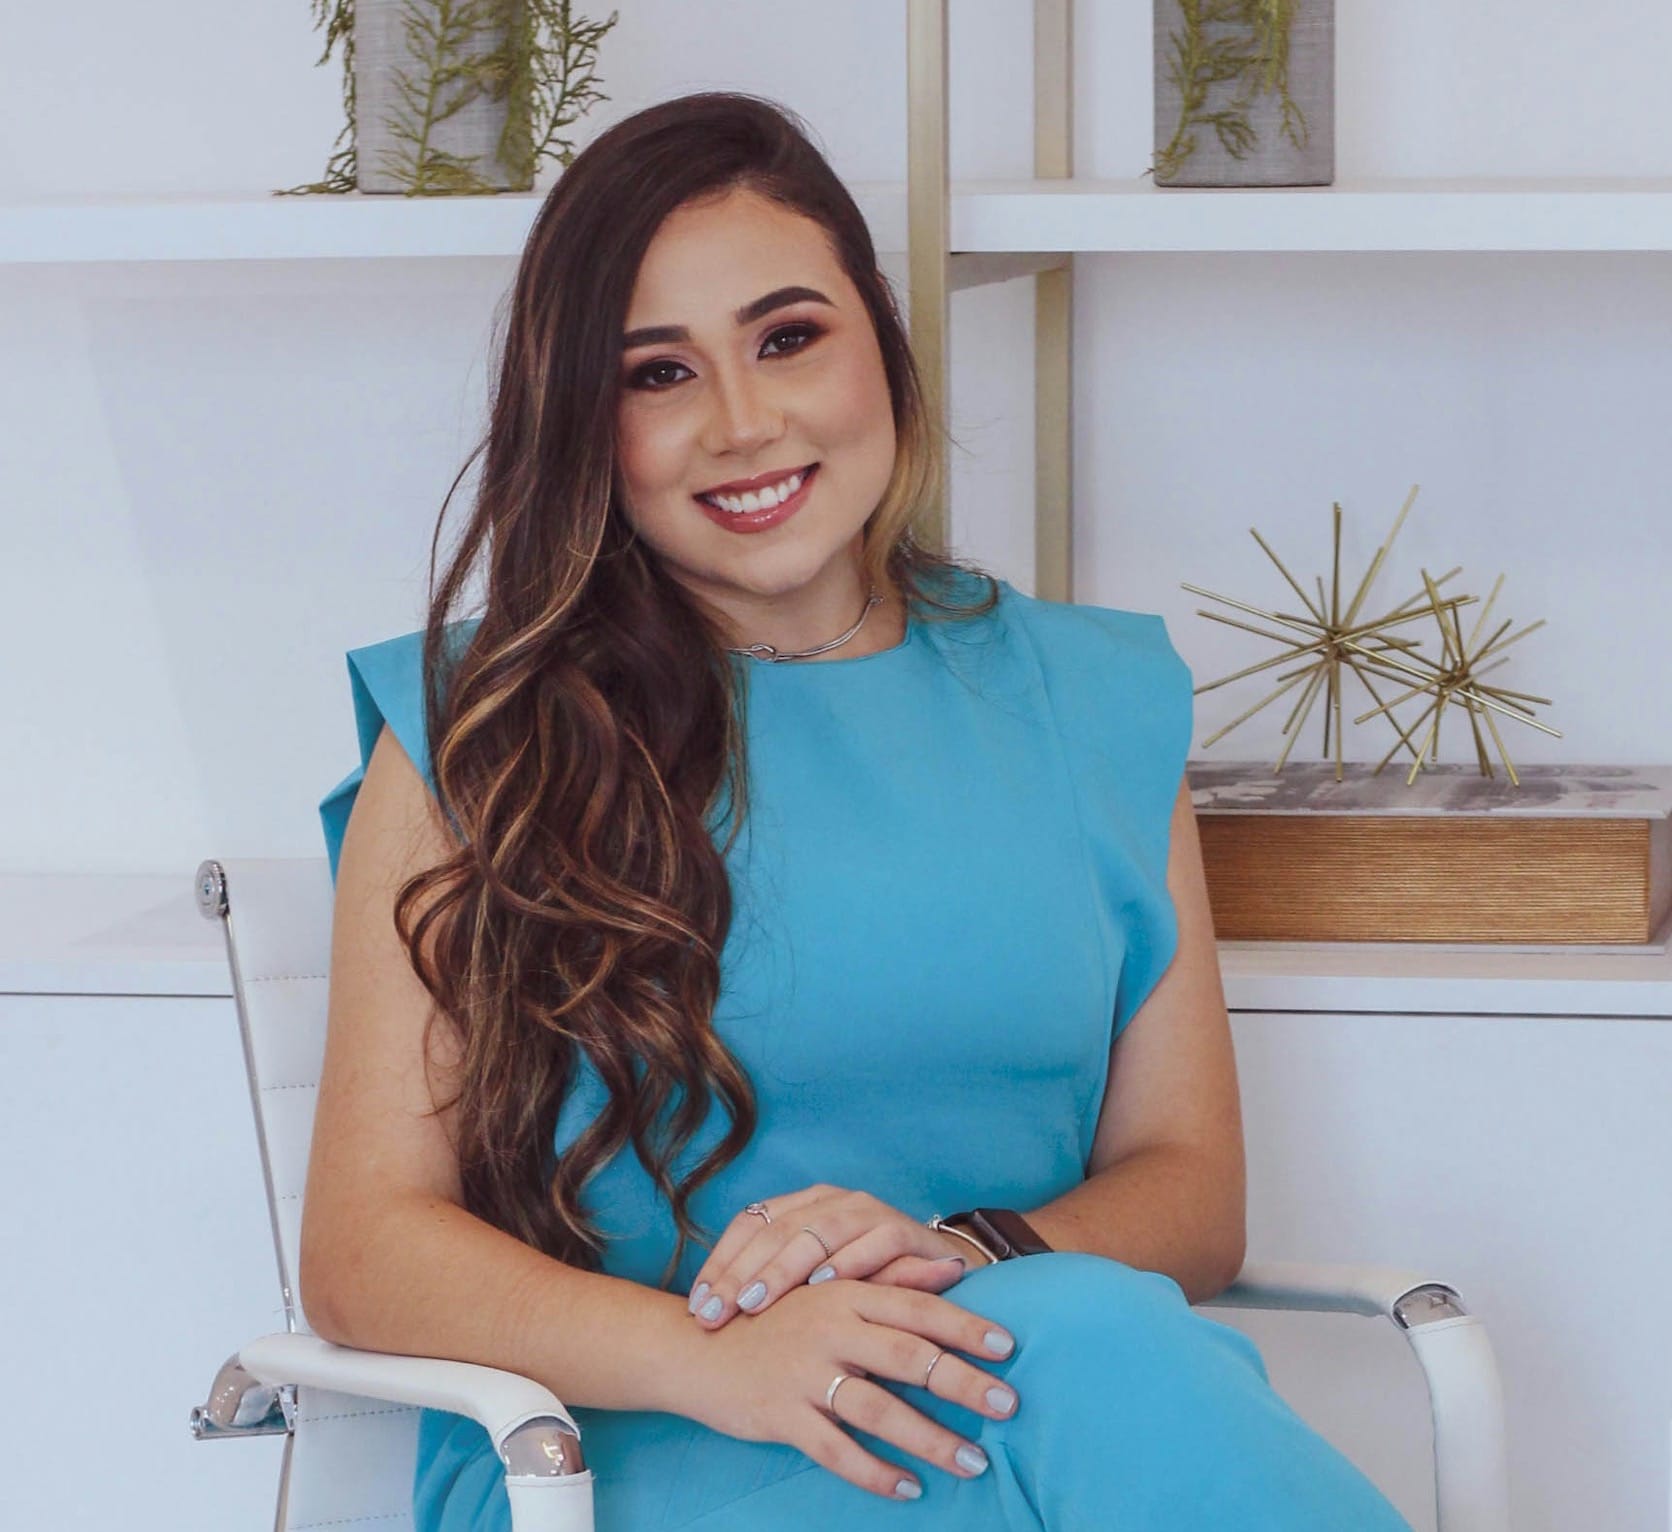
[(1383, 977), (143, 935), (1383, 215), (988, 216)]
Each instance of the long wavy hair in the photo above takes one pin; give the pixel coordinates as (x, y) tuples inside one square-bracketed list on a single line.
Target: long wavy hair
[(586, 728)]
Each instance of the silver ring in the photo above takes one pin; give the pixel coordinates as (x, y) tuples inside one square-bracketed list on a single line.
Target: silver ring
[(809, 1229), (830, 1393), (931, 1367), (760, 1209)]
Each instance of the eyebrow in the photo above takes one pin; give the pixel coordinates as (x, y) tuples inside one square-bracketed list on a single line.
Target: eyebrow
[(668, 334)]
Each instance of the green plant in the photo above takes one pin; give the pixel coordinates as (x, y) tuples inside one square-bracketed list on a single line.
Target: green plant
[(542, 68), (1249, 43)]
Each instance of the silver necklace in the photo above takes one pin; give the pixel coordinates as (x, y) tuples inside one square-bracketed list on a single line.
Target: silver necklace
[(768, 652)]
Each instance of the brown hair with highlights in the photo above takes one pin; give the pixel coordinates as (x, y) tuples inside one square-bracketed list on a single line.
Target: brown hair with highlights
[(588, 727)]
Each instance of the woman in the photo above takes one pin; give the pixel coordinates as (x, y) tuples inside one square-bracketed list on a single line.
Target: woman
[(774, 885)]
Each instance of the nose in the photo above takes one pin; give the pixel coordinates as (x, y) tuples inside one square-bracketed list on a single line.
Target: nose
[(745, 414)]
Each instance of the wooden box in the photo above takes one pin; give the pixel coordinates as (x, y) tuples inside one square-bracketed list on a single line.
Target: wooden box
[(1574, 855)]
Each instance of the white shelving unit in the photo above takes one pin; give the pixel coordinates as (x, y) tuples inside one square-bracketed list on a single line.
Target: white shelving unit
[(1070, 216)]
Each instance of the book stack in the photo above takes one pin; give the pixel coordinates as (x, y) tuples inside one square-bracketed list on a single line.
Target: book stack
[(1576, 855)]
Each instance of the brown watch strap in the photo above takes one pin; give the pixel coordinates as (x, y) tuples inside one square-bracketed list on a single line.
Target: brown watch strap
[(1002, 1230)]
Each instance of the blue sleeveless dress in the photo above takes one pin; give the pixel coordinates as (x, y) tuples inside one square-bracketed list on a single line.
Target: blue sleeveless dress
[(950, 897)]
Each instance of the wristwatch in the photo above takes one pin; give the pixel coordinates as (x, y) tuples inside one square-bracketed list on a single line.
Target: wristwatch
[(1000, 1232)]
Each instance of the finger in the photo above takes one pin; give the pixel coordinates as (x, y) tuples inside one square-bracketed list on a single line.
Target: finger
[(924, 1275), (765, 1269), (870, 1407), (934, 1318), (744, 1225), (873, 1248), (815, 1257), (736, 1237), (906, 1356), (828, 1445)]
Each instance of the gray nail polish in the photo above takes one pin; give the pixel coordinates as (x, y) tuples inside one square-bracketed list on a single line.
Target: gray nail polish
[(698, 1293), (908, 1489), (1001, 1399), (711, 1309), (824, 1274), (753, 1296), (999, 1343), (971, 1459)]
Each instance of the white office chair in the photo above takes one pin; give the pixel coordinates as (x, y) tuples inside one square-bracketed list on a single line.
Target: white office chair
[(349, 1456)]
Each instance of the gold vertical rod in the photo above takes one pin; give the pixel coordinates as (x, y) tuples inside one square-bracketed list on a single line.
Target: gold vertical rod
[(1053, 312), (1335, 697), (1335, 573), (929, 230), (1329, 702)]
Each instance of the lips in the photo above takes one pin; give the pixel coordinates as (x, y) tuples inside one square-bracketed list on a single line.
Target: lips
[(760, 481), (763, 517)]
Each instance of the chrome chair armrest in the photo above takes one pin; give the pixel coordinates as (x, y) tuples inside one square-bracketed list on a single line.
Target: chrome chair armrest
[(1465, 1393), (535, 1436), (1405, 1297)]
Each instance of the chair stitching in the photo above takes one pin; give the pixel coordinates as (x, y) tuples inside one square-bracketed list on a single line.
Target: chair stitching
[(349, 1521), (295, 1085), (398, 1409), (284, 978)]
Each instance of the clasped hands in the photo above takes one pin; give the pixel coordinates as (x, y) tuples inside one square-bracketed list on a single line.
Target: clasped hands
[(812, 1235)]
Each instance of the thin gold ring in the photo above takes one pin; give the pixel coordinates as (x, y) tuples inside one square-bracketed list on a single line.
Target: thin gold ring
[(931, 1367), (830, 1393), (759, 1208), (809, 1229)]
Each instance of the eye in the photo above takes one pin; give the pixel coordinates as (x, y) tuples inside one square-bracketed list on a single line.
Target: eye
[(652, 377), (805, 331)]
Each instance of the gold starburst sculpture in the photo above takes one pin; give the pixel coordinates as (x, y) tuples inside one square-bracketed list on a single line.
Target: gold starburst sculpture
[(1457, 680), (1326, 639)]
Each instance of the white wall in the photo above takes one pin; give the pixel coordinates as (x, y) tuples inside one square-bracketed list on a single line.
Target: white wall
[(215, 478)]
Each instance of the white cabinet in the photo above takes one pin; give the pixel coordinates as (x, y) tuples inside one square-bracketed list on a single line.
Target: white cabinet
[(1527, 1160), (139, 1253), (138, 1257)]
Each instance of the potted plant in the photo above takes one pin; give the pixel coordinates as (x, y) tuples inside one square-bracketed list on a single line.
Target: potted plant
[(1244, 93), (450, 97)]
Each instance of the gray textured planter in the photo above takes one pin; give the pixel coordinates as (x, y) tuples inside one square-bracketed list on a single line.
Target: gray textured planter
[(471, 133), (1271, 159)]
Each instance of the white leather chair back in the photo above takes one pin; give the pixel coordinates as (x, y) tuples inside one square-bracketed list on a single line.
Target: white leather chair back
[(350, 1462)]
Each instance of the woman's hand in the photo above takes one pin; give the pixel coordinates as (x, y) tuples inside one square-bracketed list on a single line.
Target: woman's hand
[(769, 1380), (759, 1258)]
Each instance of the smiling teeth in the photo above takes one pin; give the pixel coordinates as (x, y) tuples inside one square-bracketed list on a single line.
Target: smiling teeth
[(766, 499)]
